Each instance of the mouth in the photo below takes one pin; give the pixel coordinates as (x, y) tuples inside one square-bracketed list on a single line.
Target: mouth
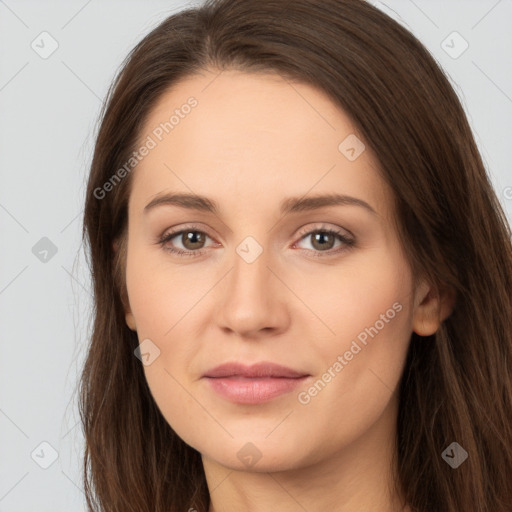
[(254, 384)]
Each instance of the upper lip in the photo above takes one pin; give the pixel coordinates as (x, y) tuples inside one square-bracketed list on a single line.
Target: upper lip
[(263, 369)]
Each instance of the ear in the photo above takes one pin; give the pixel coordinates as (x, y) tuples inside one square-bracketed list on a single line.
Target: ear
[(129, 318), (433, 306)]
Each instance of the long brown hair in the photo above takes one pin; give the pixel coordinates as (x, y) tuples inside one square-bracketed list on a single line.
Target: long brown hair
[(456, 384)]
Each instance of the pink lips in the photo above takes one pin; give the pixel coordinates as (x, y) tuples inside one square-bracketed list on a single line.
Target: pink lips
[(253, 384)]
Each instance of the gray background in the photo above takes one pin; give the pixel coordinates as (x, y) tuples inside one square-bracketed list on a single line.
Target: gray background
[(49, 109)]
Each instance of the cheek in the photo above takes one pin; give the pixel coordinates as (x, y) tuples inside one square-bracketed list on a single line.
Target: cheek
[(165, 303), (366, 308), (163, 307), (177, 403), (343, 300), (157, 295), (359, 380)]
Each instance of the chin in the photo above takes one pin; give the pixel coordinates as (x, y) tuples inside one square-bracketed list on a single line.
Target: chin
[(259, 455)]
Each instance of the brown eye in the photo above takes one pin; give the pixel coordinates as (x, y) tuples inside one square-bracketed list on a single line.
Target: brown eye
[(192, 239), (192, 242), (323, 240)]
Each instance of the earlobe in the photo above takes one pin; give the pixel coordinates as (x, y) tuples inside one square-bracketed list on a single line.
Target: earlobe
[(433, 309), (130, 321)]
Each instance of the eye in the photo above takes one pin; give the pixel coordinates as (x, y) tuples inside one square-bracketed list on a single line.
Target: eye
[(193, 241), (323, 240)]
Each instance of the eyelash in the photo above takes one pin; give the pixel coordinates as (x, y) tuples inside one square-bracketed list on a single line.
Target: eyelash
[(348, 242)]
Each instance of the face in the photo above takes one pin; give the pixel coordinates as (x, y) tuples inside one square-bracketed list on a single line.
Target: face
[(272, 274)]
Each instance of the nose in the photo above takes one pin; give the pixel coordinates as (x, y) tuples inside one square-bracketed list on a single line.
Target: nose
[(254, 299)]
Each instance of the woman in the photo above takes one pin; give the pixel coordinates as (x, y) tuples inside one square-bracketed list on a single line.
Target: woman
[(302, 274)]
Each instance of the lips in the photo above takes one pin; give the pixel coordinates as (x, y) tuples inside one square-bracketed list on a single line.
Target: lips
[(256, 384), (259, 370)]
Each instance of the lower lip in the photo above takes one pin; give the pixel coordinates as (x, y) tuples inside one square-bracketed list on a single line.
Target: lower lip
[(244, 390)]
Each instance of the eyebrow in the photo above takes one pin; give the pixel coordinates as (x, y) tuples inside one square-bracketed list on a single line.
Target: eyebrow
[(288, 205)]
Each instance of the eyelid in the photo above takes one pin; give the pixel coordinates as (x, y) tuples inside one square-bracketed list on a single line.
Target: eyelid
[(324, 227)]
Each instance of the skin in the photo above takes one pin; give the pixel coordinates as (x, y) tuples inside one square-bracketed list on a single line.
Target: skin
[(253, 140)]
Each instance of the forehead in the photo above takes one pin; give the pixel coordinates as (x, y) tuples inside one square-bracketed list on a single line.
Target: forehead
[(251, 134), (244, 105)]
